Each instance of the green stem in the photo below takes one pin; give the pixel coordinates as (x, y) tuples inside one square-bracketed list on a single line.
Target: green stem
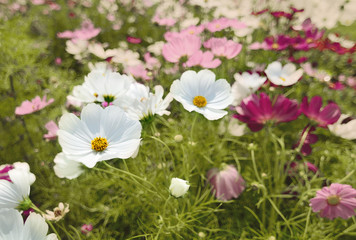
[(33, 206), (307, 223)]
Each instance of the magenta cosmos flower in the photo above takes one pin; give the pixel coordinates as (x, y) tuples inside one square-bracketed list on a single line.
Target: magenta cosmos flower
[(35, 105), (226, 183), (180, 46), (257, 110), (328, 115), (337, 200)]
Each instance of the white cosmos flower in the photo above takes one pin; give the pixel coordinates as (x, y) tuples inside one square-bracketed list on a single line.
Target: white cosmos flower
[(102, 86), (201, 93), (245, 85), (13, 228), (14, 192), (345, 130), (178, 187), (140, 103), (284, 76), (100, 134), (66, 168)]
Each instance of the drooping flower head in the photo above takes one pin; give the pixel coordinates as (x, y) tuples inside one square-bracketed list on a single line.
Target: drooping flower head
[(284, 76), (226, 183), (256, 111), (100, 134), (58, 212), (323, 117), (178, 187), (34, 105), (201, 93), (337, 200)]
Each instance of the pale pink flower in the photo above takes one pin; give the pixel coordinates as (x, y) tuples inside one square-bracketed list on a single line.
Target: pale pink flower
[(226, 183), (222, 23), (151, 62), (35, 105), (58, 61), (337, 200), (163, 21), (192, 30), (38, 2), (58, 212), (87, 31), (203, 59), (86, 228), (138, 71), (178, 47), (52, 128), (223, 47)]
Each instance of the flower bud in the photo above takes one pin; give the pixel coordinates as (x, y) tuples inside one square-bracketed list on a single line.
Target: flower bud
[(178, 187)]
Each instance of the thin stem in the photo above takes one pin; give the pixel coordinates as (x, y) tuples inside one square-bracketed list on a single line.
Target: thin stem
[(307, 223), (33, 206)]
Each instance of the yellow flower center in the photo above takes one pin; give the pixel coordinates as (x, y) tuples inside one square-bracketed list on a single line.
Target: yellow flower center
[(283, 79), (199, 101), (96, 95), (99, 144), (275, 45), (333, 200)]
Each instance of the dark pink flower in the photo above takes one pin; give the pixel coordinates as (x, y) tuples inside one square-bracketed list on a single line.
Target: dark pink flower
[(184, 45), (52, 128), (337, 200), (281, 42), (226, 183), (4, 169), (86, 228), (295, 166), (328, 115), (35, 105), (279, 14), (203, 59), (58, 61), (336, 86), (223, 48), (258, 110)]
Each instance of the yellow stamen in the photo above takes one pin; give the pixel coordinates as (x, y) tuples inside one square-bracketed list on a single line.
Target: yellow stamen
[(199, 101), (333, 200), (283, 79), (96, 95), (99, 144), (275, 45)]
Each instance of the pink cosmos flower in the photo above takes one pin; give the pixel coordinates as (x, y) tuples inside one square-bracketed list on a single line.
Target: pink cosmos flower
[(35, 105), (192, 30), (328, 115), (86, 228), (185, 45), (203, 59), (52, 128), (138, 71), (336, 86), (163, 21), (279, 14), (133, 40), (86, 32), (58, 61), (223, 47), (222, 23), (227, 183), (258, 110), (337, 200), (151, 62)]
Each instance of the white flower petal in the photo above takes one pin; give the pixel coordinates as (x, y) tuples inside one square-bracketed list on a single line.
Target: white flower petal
[(11, 225), (35, 227), (66, 168)]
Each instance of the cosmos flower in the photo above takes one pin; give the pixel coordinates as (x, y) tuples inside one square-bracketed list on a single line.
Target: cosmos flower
[(258, 110), (13, 228), (310, 138), (223, 48), (86, 32), (245, 84), (13, 194), (323, 117), (86, 228), (345, 127), (226, 183), (102, 87), (66, 168), (100, 134), (58, 212), (337, 200), (284, 76), (203, 59), (34, 105), (178, 187), (178, 47), (52, 128), (201, 93)]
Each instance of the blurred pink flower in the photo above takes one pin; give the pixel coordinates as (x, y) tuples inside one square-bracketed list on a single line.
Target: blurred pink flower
[(151, 62), (337, 200), (87, 31), (52, 128), (328, 115), (223, 48), (258, 110), (133, 40), (58, 61), (86, 228), (185, 45), (163, 21), (192, 30), (35, 105), (227, 183), (309, 139), (222, 23), (138, 71), (203, 59)]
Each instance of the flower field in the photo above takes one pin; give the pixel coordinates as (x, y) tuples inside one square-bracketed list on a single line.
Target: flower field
[(178, 119)]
